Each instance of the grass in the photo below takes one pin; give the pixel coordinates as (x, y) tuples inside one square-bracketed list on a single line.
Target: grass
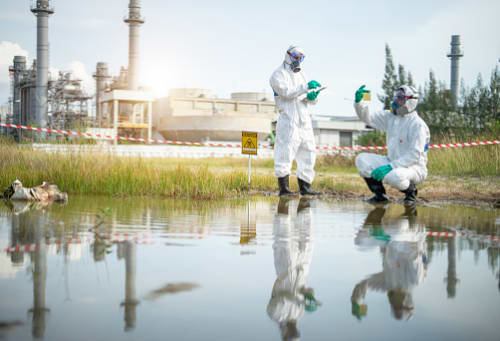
[(473, 170), (82, 173), (465, 161)]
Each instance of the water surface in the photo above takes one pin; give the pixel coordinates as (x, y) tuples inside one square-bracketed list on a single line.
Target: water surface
[(259, 269)]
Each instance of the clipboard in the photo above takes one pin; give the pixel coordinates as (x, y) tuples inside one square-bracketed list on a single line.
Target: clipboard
[(312, 90)]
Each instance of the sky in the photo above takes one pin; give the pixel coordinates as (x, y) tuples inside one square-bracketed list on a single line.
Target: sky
[(233, 45)]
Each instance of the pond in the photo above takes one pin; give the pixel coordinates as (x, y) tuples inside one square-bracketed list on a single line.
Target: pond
[(248, 269)]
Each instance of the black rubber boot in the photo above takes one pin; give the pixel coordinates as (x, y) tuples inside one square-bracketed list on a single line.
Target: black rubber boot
[(283, 184), (410, 213), (375, 216), (378, 189), (410, 195), (305, 188), (283, 205), (303, 204)]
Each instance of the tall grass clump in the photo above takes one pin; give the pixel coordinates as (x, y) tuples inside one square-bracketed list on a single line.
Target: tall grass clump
[(464, 161), (336, 163), (81, 173)]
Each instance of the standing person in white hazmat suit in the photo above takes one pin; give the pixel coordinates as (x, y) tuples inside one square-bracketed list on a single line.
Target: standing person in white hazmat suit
[(408, 140), (292, 249), (294, 133)]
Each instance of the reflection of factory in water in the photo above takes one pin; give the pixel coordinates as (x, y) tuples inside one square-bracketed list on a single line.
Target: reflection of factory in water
[(124, 108)]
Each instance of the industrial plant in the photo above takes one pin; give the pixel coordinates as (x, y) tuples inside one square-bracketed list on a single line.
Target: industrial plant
[(121, 107)]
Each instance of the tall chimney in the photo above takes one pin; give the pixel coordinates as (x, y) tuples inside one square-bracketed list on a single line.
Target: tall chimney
[(42, 9), (18, 67), (455, 55), (101, 76), (134, 21)]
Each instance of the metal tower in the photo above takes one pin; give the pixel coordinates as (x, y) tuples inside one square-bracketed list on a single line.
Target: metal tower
[(455, 55), (18, 67), (101, 76), (134, 21), (42, 9)]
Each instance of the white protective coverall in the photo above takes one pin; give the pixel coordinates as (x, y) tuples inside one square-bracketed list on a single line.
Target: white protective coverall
[(293, 248), (408, 139), (294, 133), (403, 265)]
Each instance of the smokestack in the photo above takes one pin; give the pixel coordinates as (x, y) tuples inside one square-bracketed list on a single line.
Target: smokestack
[(101, 76), (18, 67), (134, 21), (455, 55), (42, 9)]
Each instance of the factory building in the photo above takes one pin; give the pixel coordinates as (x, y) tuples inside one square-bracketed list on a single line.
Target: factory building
[(340, 131), (124, 108), (196, 115)]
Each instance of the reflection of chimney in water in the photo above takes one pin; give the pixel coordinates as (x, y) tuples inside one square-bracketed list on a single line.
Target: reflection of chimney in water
[(16, 235), (130, 302), (452, 280), (39, 281)]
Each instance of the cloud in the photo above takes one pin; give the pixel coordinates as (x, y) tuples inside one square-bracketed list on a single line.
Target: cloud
[(7, 52), (79, 72)]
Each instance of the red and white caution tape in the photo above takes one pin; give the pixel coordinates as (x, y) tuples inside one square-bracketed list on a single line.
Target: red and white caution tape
[(228, 145), (120, 138), (465, 235), (145, 239), (36, 247)]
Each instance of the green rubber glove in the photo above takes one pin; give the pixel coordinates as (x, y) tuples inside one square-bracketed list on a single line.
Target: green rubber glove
[(311, 96), (380, 172), (378, 233), (359, 94), (313, 85)]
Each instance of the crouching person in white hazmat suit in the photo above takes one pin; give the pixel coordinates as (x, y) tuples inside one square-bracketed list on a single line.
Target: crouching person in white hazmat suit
[(294, 134), (402, 243), (408, 138)]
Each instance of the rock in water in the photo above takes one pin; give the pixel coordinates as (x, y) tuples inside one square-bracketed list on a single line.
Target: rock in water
[(44, 192)]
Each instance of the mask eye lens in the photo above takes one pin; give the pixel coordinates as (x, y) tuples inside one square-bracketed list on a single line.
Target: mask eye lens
[(400, 97), (298, 57)]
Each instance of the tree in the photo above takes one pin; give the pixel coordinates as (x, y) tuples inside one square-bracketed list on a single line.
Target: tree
[(410, 79), (390, 80), (401, 75), (478, 110)]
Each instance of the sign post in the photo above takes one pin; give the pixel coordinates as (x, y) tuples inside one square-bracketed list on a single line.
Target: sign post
[(249, 146)]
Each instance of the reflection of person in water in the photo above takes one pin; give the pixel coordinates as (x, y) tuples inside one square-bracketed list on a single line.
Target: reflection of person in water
[(402, 242), (292, 257)]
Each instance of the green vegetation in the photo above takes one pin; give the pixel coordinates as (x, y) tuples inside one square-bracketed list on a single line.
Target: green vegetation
[(372, 138), (82, 173), (477, 110), (213, 178), (465, 161)]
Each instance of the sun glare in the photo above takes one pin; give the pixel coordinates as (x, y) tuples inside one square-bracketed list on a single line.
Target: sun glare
[(158, 78)]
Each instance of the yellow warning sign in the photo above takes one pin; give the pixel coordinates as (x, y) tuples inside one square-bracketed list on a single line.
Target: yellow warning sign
[(248, 143)]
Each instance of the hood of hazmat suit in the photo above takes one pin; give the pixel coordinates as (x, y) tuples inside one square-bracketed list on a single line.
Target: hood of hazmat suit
[(405, 100), (294, 133), (294, 56), (408, 137)]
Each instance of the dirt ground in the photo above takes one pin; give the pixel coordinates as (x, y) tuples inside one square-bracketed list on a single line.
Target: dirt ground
[(469, 190)]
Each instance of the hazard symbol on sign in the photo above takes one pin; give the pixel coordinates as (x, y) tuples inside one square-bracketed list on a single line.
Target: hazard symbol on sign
[(248, 143)]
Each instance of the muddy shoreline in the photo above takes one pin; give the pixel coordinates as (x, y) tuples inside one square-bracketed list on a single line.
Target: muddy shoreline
[(425, 197)]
